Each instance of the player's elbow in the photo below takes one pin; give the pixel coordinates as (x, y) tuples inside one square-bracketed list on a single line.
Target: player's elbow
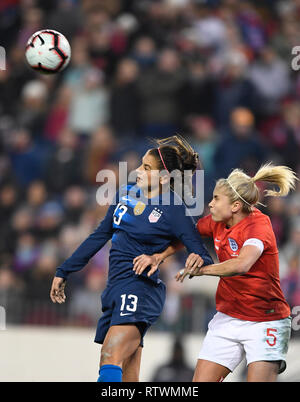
[(242, 266), (241, 271)]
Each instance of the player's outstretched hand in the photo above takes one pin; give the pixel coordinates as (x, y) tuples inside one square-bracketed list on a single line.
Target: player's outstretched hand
[(181, 275), (192, 267), (193, 263), (57, 292), (141, 262)]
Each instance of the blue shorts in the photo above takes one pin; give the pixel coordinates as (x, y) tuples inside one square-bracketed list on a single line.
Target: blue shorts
[(131, 301)]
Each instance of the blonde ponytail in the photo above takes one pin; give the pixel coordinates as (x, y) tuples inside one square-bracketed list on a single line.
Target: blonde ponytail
[(240, 186), (281, 176)]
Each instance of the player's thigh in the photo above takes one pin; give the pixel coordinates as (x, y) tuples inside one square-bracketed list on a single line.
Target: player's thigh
[(208, 371), (131, 366), (263, 371), (120, 342)]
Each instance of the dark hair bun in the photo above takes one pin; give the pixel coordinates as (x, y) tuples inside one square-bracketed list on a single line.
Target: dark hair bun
[(174, 154), (190, 160)]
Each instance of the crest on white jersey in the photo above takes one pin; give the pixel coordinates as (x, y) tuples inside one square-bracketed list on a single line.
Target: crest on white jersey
[(233, 244), (155, 215)]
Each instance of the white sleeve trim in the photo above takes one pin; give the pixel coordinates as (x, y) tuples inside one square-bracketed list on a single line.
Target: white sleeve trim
[(255, 242)]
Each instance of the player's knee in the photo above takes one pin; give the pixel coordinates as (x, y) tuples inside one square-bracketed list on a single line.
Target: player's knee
[(109, 355), (111, 352)]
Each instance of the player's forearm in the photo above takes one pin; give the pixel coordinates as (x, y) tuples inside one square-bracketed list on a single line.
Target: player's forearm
[(83, 253), (172, 249), (230, 267)]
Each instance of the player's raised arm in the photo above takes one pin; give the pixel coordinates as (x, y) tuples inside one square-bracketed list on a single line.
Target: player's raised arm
[(234, 266), (185, 231), (81, 256), (141, 262)]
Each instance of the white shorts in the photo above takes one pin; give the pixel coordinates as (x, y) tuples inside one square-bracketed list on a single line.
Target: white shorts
[(229, 340)]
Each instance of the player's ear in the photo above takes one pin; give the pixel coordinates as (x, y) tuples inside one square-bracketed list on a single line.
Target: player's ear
[(236, 206), (164, 179)]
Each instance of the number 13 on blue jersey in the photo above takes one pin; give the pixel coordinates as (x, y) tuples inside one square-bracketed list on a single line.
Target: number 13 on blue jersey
[(119, 211)]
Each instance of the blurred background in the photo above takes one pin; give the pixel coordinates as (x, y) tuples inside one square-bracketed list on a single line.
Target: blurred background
[(218, 72)]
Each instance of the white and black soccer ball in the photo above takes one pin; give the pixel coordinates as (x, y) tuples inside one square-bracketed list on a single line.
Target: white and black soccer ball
[(48, 51)]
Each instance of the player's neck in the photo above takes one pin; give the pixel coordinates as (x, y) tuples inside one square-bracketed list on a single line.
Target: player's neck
[(235, 219), (151, 193), (154, 192)]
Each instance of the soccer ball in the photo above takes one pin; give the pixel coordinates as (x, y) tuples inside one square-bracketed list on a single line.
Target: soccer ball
[(48, 51)]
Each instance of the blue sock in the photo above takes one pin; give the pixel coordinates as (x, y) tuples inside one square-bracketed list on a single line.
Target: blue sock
[(110, 373)]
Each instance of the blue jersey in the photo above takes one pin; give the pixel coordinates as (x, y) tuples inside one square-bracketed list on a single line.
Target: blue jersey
[(137, 225)]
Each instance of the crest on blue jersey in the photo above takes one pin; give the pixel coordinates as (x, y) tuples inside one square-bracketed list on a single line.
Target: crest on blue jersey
[(139, 208), (233, 244), (155, 215)]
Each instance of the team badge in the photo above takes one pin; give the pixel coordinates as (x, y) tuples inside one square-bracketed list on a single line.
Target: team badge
[(139, 208), (155, 215), (233, 244)]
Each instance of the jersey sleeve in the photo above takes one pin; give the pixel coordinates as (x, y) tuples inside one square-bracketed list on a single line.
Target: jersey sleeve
[(259, 230), (205, 226), (184, 229), (89, 247), (255, 242)]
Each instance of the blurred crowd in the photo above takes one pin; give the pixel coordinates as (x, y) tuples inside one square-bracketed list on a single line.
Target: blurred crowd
[(218, 72)]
